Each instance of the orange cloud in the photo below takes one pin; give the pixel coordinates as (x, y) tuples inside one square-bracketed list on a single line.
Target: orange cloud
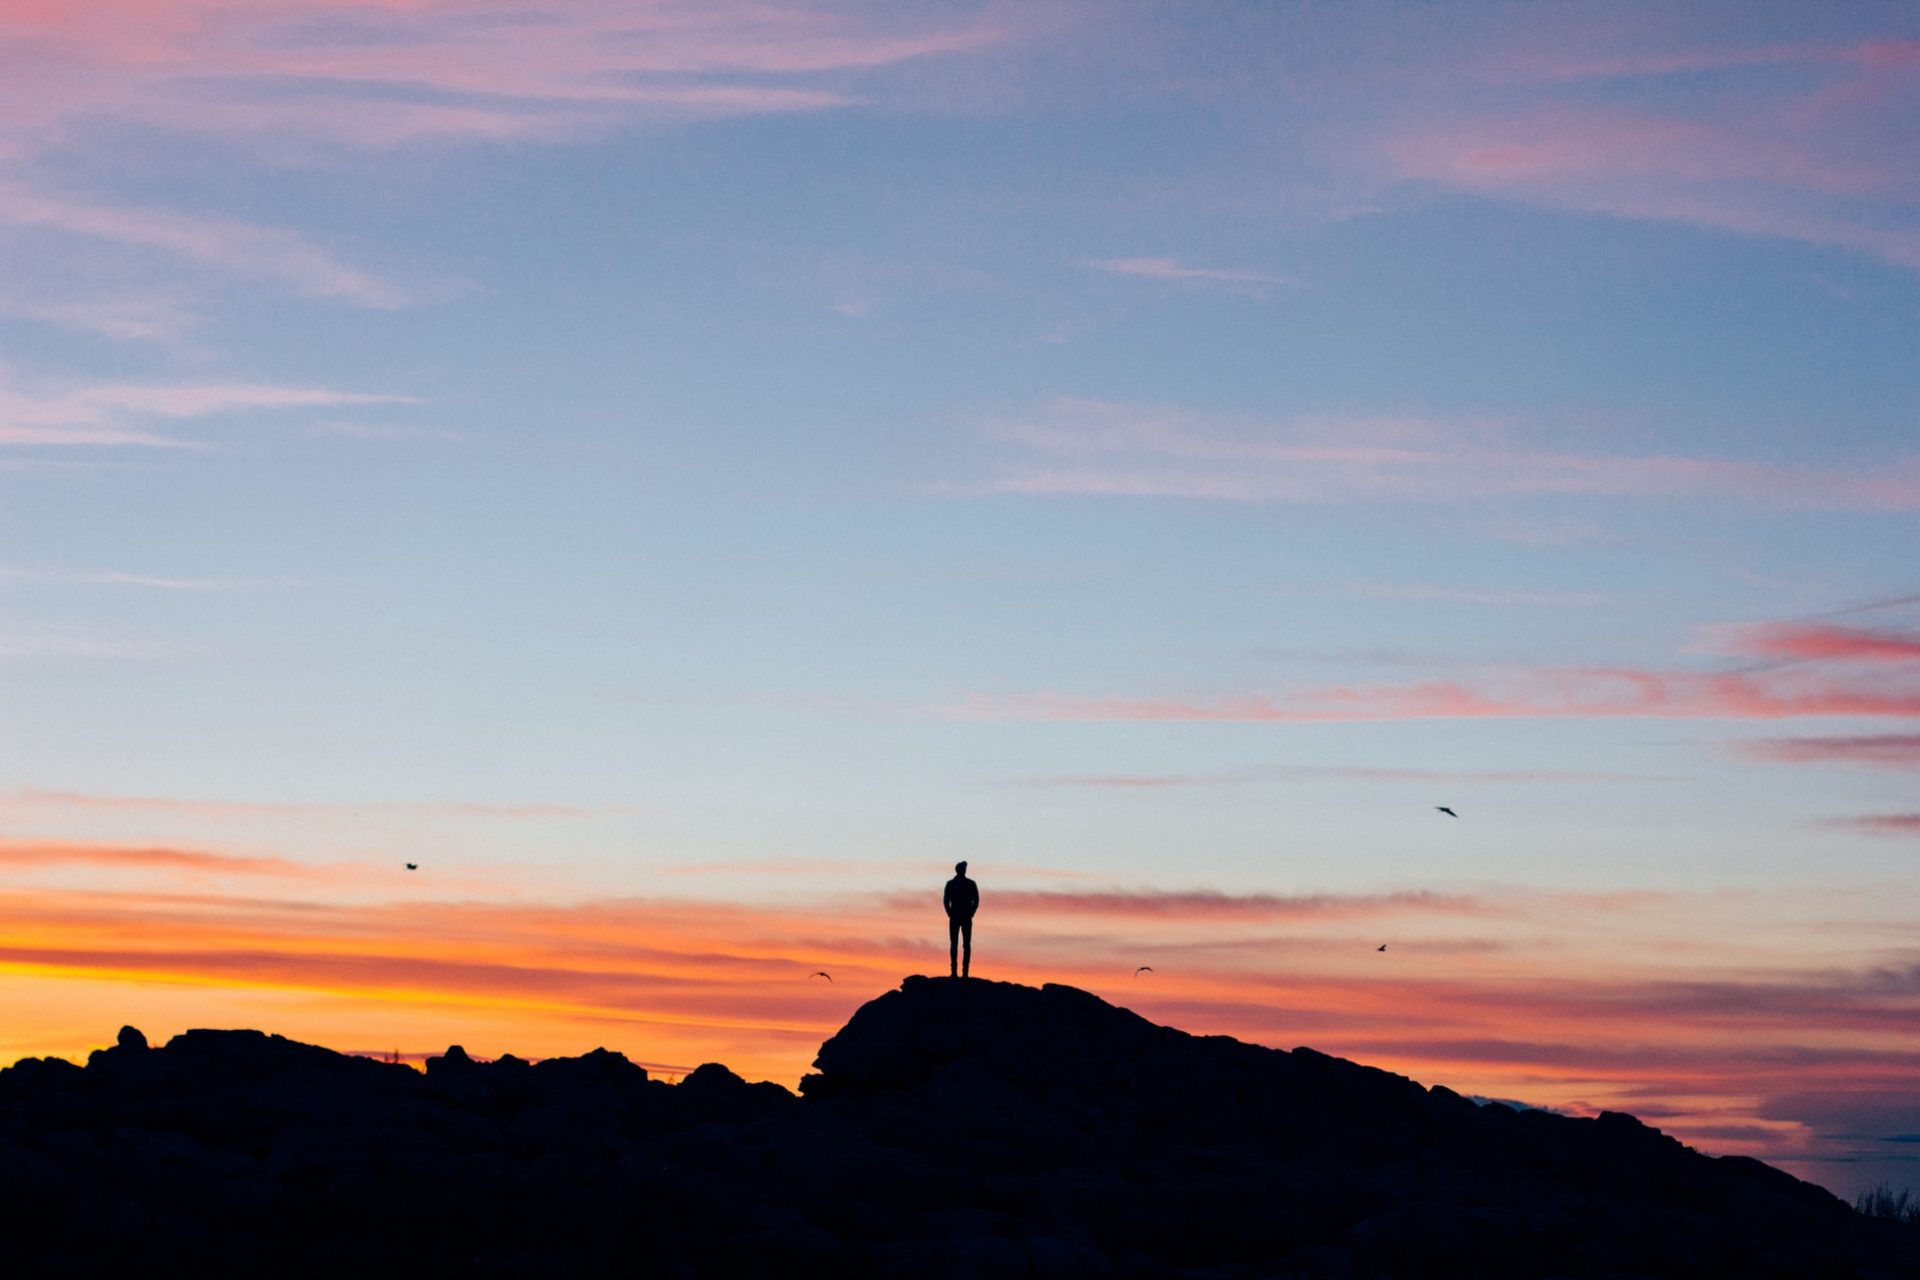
[(1502, 992), (54, 853), (1209, 905)]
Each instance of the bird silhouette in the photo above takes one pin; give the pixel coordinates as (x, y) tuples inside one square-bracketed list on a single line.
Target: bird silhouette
[(821, 973), (1381, 947), (413, 866), (1450, 813), (1145, 968)]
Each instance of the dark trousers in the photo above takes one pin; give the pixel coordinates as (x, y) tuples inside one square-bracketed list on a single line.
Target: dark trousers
[(958, 928)]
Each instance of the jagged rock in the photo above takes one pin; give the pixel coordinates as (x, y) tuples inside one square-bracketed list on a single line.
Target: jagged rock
[(952, 1128)]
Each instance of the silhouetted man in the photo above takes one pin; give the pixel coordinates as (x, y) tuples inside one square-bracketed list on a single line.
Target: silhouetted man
[(962, 899)]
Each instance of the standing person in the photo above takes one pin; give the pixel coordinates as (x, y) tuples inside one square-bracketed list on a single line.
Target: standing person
[(961, 900)]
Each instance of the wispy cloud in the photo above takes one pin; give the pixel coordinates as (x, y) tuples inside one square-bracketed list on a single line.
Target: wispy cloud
[(124, 413), (1093, 447), (241, 248), (1812, 670), (1210, 905), (1281, 773), (395, 72), (1893, 824), (132, 319), (1802, 142), (74, 800), (49, 853), (1887, 750), (1534, 1002), (1547, 693), (309, 78), (1175, 269), (119, 578), (1816, 641)]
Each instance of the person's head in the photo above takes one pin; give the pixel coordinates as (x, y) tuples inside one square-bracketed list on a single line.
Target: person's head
[(960, 867)]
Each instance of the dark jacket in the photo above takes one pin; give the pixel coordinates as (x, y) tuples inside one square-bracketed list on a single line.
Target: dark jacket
[(962, 898)]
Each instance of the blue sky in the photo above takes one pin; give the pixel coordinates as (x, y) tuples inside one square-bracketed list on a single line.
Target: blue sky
[(739, 459)]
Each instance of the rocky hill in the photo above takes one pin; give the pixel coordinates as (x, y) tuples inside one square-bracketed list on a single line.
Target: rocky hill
[(954, 1128)]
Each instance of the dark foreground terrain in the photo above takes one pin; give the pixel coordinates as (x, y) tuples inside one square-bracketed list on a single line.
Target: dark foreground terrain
[(954, 1129)]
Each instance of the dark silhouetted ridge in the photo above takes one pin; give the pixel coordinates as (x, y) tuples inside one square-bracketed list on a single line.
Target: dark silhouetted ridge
[(953, 1128)]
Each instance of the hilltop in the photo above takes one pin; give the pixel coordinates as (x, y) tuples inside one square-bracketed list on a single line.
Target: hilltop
[(952, 1128)]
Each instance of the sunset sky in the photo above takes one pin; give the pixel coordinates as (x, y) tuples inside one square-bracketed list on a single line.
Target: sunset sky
[(687, 472)]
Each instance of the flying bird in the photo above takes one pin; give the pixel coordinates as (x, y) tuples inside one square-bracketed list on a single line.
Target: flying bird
[(1450, 813), (1381, 947), (413, 866), (821, 973), (1145, 968)]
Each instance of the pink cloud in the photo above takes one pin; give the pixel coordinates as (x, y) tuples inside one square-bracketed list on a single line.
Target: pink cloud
[(1209, 905), (113, 413), (1817, 641), (1545, 693), (396, 71), (1580, 63), (56, 853), (1893, 824), (1891, 750), (1806, 143), (1090, 447), (1574, 1020), (300, 79), (1157, 781)]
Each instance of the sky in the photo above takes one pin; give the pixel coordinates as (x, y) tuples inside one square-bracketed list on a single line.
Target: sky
[(684, 474)]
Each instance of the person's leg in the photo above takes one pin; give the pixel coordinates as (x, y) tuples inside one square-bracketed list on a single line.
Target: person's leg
[(953, 946), (966, 955)]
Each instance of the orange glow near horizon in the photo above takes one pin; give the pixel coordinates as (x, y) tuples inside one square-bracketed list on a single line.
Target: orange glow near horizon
[(1487, 992)]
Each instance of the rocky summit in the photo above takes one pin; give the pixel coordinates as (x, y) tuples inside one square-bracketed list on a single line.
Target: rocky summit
[(953, 1128)]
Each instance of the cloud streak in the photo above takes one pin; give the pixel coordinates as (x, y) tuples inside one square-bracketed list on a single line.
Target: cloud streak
[(1885, 750), (394, 72), (1197, 904), (308, 78), (1891, 824), (1078, 447), (1544, 694), (240, 248), (123, 414), (56, 853), (1176, 270), (85, 802), (1533, 1003), (1282, 773), (1822, 642), (1800, 142)]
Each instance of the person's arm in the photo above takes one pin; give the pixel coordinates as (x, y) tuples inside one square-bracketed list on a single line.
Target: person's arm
[(946, 898)]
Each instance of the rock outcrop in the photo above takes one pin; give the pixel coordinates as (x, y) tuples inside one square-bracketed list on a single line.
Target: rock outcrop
[(954, 1128)]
